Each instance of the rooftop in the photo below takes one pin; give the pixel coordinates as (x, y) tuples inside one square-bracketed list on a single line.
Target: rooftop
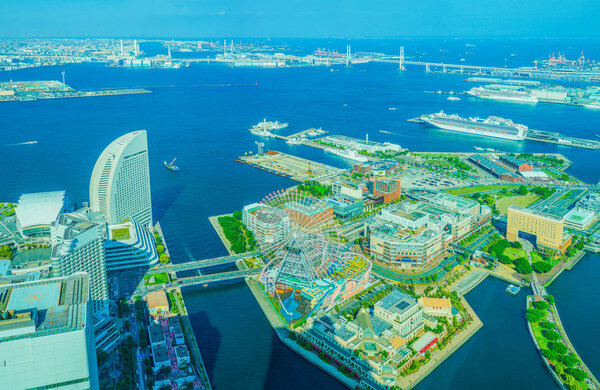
[(41, 208), (157, 299), (397, 302), (43, 307)]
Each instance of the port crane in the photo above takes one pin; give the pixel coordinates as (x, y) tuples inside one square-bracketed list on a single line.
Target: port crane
[(260, 145)]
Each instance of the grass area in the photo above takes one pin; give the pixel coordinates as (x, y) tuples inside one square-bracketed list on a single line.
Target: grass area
[(158, 279), (174, 308), (120, 234), (515, 253), (252, 262), (471, 190), (521, 200)]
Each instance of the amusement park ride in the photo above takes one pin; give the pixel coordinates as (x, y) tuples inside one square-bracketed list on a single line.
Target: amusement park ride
[(307, 264)]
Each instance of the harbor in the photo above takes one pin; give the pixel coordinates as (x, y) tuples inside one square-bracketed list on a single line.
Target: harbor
[(50, 89), (292, 167)]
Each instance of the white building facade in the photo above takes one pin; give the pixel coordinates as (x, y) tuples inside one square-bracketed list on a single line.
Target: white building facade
[(120, 184)]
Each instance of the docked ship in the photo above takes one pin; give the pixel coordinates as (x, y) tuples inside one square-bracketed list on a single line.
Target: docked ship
[(503, 94), (170, 166), (268, 126), (347, 153), (493, 126)]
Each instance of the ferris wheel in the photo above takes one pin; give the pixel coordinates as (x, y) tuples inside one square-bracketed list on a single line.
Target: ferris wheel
[(300, 240)]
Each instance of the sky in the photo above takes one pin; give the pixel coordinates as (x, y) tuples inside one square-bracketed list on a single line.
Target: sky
[(300, 18)]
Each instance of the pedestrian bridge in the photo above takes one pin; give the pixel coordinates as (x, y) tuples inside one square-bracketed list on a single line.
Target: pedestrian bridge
[(199, 264)]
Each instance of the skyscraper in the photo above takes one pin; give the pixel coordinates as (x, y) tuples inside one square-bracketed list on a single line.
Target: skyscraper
[(46, 335), (78, 246), (120, 185)]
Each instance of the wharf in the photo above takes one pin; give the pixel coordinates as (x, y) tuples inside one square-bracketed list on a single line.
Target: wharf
[(74, 94), (292, 167)]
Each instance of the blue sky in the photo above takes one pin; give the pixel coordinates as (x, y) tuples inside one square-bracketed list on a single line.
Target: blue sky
[(300, 18)]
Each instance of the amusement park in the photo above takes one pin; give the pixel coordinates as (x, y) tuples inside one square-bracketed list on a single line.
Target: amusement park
[(308, 264)]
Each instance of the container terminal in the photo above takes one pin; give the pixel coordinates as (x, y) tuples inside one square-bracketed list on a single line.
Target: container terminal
[(53, 89)]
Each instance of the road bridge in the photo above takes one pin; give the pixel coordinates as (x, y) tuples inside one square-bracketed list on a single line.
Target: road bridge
[(219, 277), (199, 264)]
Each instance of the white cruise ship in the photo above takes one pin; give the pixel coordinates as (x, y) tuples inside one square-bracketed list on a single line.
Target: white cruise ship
[(347, 153), (507, 95), (493, 126)]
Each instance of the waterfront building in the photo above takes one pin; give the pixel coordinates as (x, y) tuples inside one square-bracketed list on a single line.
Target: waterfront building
[(182, 354), (348, 188), (267, 224), (515, 163), (482, 214), (388, 188), (579, 219), (362, 168), (130, 245), (46, 335), (157, 303), (403, 312), (120, 184), (36, 211), (493, 168), (78, 246), (344, 142), (545, 231), (437, 307), (345, 207), (425, 342)]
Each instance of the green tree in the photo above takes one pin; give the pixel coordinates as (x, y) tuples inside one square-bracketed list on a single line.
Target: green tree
[(576, 373), (534, 315), (559, 348), (164, 259), (551, 355), (522, 266), (568, 360), (541, 267), (551, 335), (160, 249), (541, 305), (547, 325), (522, 190)]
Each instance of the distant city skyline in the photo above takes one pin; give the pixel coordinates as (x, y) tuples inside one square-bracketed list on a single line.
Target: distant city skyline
[(276, 19)]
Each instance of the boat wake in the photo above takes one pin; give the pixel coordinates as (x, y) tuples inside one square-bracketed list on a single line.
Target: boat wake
[(22, 143)]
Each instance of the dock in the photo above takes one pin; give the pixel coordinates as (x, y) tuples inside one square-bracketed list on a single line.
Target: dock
[(292, 167)]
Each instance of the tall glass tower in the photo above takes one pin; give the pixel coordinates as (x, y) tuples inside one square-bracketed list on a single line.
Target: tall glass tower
[(120, 185)]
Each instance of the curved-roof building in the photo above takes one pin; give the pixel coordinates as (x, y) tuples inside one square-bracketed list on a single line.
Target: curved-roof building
[(120, 185)]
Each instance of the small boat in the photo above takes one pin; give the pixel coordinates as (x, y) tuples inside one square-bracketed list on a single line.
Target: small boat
[(170, 166), (512, 289), (479, 148), (453, 98), (392, 108)]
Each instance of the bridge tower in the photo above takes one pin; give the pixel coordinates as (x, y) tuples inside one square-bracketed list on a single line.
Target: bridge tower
[(348, 54), (401, 59)]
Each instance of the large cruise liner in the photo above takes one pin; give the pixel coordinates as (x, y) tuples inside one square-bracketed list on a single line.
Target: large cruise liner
[(493, 126), (508, 95)]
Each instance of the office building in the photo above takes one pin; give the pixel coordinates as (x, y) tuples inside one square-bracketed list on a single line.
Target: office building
[(544, 230), (389, 189), (345, 207), (46, 335), (120, 184), (348, 188), (78, 246)]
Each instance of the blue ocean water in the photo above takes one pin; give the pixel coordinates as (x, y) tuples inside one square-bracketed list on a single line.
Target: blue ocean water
[(200, 114)]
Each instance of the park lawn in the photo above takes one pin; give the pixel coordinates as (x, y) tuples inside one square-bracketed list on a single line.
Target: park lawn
[(158, 279), (515, 253), (471, 190), (521, 200)]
